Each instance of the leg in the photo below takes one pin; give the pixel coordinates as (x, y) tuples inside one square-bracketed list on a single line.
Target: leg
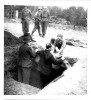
[(26, 75), (23, 26), (45, 28), (20, 77), (34, 29), (39, 30), (26, 27), (44, 79), (42, 27)]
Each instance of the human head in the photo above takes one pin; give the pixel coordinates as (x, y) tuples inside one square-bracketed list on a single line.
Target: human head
[(25, 7), (39, 8), (48, 46), (45, 8), (52, 41), (60, 36), (58, 43)]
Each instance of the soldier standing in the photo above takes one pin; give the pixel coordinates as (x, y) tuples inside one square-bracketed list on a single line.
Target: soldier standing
[(26, 15), (45, 18), (37, 22)]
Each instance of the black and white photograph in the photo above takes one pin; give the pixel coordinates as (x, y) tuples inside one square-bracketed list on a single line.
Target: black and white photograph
[(45, 49)]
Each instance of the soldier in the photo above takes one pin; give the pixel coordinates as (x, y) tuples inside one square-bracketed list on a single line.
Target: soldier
[(37, 21), (26, 15), (25, 63), (45, 18)]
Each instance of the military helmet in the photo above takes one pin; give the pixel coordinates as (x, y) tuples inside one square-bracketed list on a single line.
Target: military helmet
[(39, 8), (45, 7)]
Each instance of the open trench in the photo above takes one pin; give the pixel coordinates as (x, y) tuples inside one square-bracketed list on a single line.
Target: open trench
[(10, 61), (11, 68)]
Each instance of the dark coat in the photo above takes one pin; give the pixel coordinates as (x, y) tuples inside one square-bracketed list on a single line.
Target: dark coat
[(26, 55), (46, 61)]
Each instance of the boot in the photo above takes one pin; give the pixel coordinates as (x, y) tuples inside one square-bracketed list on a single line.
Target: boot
[(33, 39)]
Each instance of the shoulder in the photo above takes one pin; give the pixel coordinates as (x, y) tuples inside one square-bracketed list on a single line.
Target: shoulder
[(40, 51), (48, 54)]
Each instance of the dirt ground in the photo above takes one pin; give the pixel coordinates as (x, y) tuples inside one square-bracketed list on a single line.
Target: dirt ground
[(74, 81)]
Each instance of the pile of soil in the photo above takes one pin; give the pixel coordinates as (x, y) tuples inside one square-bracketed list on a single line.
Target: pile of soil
[(13, 87), (10, 39)]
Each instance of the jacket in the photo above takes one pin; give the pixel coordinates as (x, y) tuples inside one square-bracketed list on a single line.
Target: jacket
[(26, 54), (26, 14), (44, 15), (37, 17), (46, 61)]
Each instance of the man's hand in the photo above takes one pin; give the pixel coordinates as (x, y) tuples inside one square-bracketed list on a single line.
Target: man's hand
[(63, 58), (36, 50)]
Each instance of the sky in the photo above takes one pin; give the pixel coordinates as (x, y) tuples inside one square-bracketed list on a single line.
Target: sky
[(62, 3)]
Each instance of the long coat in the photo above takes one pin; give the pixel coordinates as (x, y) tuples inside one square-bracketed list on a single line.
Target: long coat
[(26, 54)]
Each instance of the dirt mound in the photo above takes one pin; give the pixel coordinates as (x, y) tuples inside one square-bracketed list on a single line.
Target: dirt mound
[(12, 87), (10, 39)]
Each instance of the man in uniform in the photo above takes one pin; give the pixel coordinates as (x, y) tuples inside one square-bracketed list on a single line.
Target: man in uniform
[(37, 21), (26, 15), (44, 20)]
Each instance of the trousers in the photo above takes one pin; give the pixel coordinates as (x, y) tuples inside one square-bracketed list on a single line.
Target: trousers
[(24, 75), (25, 26), (36, 27), (44, 27)]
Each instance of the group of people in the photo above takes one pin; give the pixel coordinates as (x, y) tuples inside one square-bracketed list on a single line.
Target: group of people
[(40, 18), (44, 59)]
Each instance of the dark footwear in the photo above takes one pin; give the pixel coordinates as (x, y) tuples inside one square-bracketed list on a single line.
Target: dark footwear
[(33, 40), (41, 35), (27, 34)]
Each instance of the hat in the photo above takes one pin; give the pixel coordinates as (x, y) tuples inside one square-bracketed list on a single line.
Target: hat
[(27, 39)]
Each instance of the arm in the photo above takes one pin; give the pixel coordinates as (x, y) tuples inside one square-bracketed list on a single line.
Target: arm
[(55, 61), (31, 52)]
